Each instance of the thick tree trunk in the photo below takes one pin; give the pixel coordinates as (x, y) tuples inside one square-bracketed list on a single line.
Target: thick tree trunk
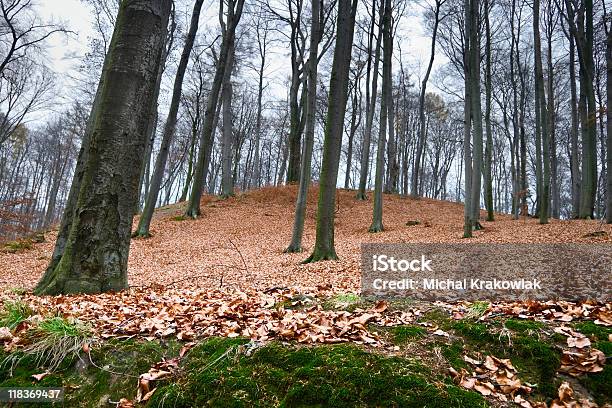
[(582, 30), (575, 151), (311, 101), (144, 223), (476, 112), (371, 104), (234, 13), (467, 126), (332, 145), (377, 214), (96, 253)]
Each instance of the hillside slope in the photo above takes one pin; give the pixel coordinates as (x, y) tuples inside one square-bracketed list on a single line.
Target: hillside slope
[(256, 226)]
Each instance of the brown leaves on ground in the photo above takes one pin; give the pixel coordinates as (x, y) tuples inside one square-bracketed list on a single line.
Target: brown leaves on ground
[(199, 253), (557, 311), (580, 362), (495, 378), (579, 359), (161, 371), (190, 314)]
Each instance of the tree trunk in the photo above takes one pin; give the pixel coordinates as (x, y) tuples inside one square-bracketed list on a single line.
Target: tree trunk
[(332, 145), (351, 137), (371, 104), (583, 34), (96, 253), (416, 168), (257, 159), (541, 117), (144, 223), (234, 13), (393, 168), (609, 125), (488, 179), (467, 124), (227, 185), (377, 215), (311, 101), (476, 112), (554, 177)]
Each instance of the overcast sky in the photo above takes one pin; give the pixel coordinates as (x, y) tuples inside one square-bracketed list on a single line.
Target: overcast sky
[(65, 52)]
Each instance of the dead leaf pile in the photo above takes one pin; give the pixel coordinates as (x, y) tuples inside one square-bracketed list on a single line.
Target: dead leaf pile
[(495, 378), (579, 359), (190, 314), (557, 311)]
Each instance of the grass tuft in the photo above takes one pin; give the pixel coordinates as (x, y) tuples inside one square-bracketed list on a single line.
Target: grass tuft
[(477, 310), (53, 342), (19, 245), (13, 313)]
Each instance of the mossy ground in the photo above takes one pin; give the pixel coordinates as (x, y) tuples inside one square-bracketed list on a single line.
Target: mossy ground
[(223, 372)]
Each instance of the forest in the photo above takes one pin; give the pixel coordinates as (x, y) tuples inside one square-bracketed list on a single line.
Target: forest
[(189, 191)]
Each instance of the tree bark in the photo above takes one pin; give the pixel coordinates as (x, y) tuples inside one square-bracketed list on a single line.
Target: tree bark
[(609, 125), (227, 184), (371, 104), (416, 168), (541, 116), (332, 145), (488, 179), (311, 101), (144, 224), (476, 112), (234, 13), (355, 120), (467, 124), (377, 214), (96, 253)]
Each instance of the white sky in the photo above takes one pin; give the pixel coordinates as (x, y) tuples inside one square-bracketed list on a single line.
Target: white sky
[(65, 52)]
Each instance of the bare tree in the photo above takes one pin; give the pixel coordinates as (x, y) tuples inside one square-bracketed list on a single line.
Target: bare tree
[(96, 253), (332, 145)]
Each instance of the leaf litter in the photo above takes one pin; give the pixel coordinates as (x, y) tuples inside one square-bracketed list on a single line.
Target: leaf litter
[(225, 274)]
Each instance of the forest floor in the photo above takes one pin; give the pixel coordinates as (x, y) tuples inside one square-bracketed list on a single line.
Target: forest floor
[(218, 315)]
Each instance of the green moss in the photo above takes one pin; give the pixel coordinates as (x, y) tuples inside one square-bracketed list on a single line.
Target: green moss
[(402, 334), (439, 317), (523, 326), (474, 332), (599, 385), (593, 330), (13, 313), (19, 245), (179, 218), (453, 353), (534, 356), (323, 376)]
